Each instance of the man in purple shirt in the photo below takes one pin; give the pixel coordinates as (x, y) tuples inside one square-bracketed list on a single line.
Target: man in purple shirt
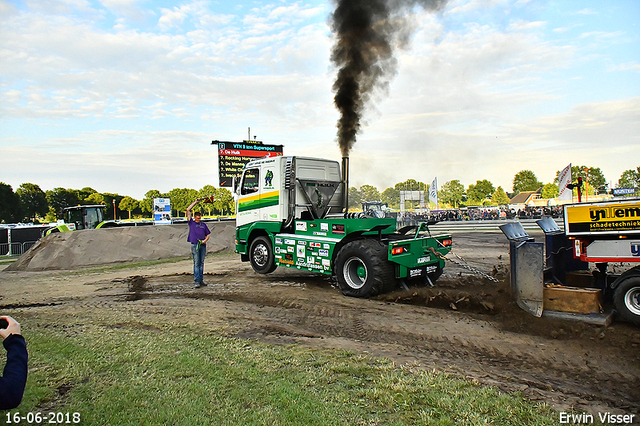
[(198, 236)]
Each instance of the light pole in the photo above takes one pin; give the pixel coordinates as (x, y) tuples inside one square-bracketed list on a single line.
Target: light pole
[(114, 209), (586, 183)]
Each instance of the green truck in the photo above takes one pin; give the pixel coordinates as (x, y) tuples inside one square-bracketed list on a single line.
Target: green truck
[(291, 212)]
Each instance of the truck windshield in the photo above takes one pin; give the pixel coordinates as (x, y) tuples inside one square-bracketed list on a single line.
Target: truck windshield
[(93, 218), (86, 218), (250, 181)]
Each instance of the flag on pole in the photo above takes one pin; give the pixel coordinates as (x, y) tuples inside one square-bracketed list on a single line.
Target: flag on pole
[(433, 191), (564, 179)]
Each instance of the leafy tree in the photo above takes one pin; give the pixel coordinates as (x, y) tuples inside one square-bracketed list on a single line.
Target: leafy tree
[(224, 202), (391, 196), (630, 179), (128, 204), (146, 204), (85, 193), (59, 198), (208, 191), (95, 198), (500, 197), (451, 193), (51, 215), (550, 190), (592, 176), (525, 180), (412, 185), (33, 200), (112, 202), (355, 198), (365, 193), (477, 193), (181, 198), (369, 193), (10, 208)]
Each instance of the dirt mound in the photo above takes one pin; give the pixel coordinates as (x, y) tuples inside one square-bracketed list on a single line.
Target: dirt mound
[(72, 250)]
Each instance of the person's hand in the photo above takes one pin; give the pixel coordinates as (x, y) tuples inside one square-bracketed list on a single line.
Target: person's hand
[(12, 328)]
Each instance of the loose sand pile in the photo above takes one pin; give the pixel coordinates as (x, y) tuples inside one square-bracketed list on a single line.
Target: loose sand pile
[(71, 250)]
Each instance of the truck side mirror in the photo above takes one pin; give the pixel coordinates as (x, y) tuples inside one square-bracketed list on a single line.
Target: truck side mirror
[(236, 184)]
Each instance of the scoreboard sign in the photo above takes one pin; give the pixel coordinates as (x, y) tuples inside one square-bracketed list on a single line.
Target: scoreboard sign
[(232, 157)]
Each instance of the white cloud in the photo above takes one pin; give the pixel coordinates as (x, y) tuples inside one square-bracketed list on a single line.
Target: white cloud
[(462, 6), (586, 11), (520, 25), (567, 28), (130, 10), (84, 62), (171, 18), (628, 66), (7, 9), (600, 35)]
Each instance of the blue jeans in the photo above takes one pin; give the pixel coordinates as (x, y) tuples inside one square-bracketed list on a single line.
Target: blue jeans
[(198, 261)]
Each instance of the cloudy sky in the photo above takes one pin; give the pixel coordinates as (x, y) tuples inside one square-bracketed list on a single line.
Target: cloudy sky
[(126, 96)]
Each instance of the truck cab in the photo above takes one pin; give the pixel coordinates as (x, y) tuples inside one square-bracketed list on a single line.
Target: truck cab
[(268, 190), (84, 217)]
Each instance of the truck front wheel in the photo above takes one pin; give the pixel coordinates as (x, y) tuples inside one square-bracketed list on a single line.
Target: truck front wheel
[(261, 255), (627, 299), (362, 269)]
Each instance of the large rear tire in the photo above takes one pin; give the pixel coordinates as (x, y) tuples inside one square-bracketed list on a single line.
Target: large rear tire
[(363, 270), (626, 299), (261, 256)]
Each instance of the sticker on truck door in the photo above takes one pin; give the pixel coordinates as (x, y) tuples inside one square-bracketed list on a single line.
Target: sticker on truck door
[(268, 179)]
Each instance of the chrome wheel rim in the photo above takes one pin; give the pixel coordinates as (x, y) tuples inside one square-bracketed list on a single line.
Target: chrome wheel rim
[(632, 300), (260, 255), (355, 272)]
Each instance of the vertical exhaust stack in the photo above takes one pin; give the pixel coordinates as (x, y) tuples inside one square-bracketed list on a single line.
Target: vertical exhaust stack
[(345, 182)]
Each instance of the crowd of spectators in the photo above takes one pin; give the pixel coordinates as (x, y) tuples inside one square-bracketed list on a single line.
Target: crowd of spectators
[(482, 213)]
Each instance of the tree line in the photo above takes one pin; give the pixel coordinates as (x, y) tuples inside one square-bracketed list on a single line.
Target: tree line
[(29, 203), (483, 193)]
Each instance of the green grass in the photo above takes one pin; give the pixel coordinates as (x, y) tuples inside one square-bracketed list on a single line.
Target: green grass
[(115, 370), (7, 260)]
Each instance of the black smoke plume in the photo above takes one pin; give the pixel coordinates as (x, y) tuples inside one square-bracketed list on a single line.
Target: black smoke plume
[(366, 33)]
